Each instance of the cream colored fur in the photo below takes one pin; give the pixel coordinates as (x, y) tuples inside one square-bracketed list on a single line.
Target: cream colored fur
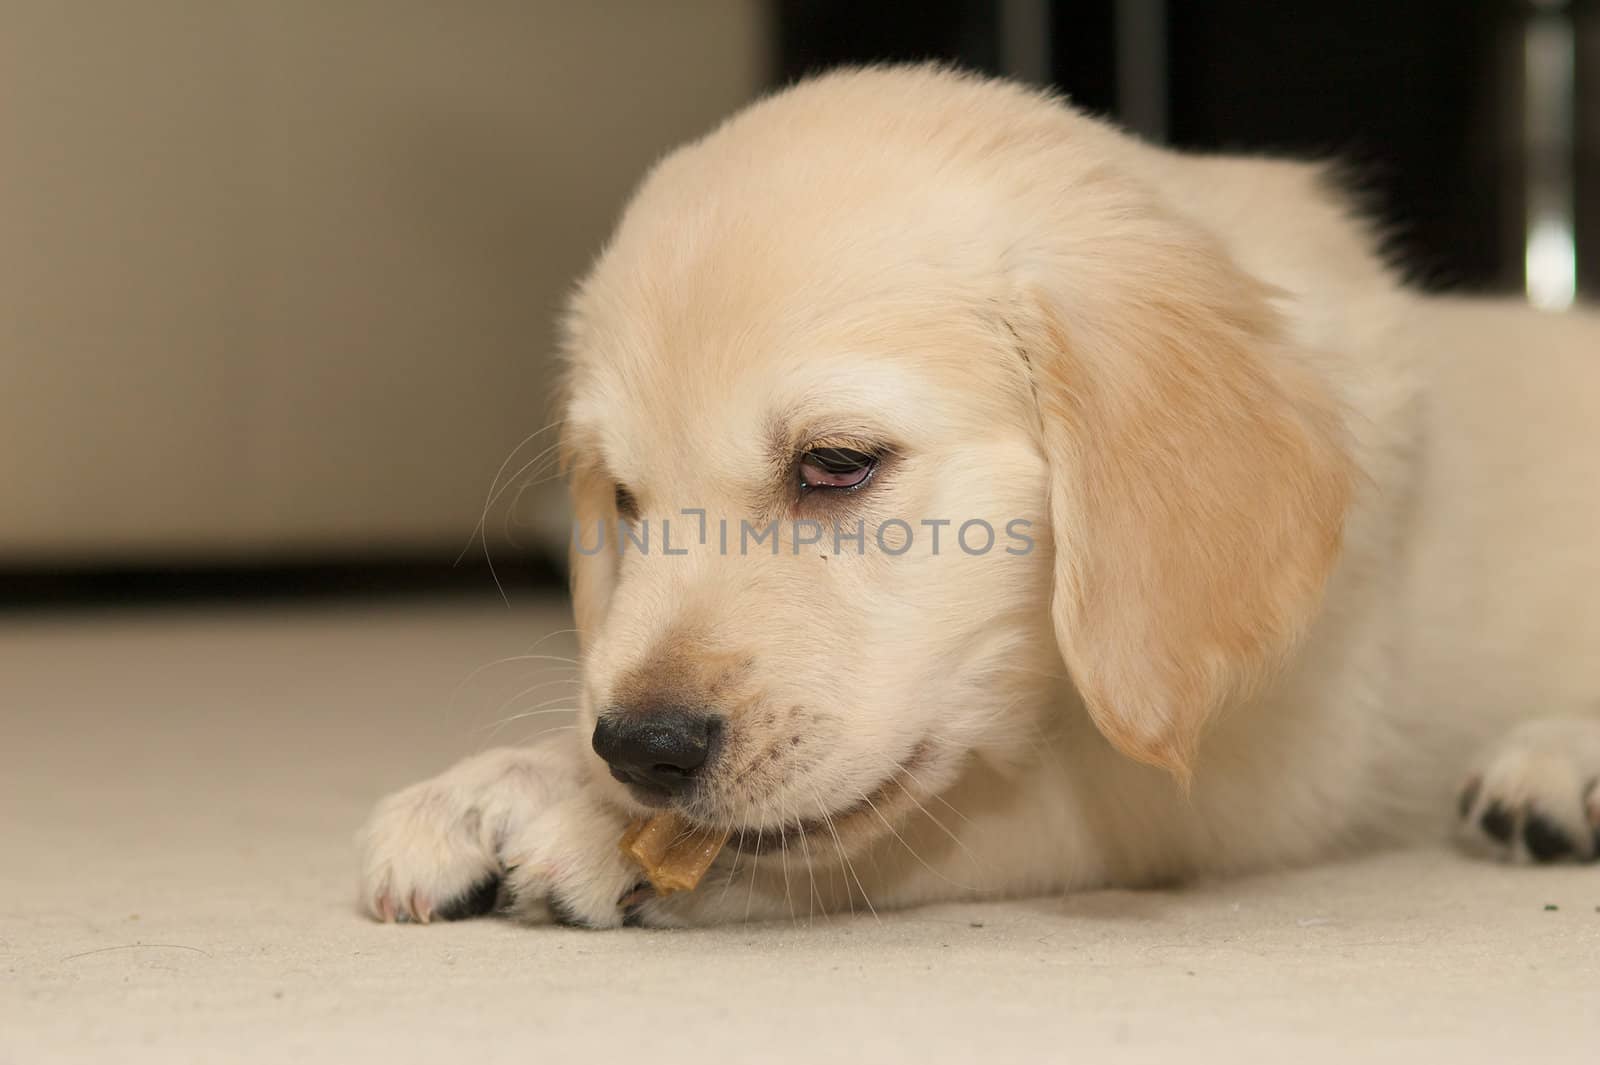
[(1311, 547)]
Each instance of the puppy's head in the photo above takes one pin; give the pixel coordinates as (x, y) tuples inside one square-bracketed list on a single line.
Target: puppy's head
[(895, 401)]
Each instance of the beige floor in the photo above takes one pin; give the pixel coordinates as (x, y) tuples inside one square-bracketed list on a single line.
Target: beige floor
[(177, 797)]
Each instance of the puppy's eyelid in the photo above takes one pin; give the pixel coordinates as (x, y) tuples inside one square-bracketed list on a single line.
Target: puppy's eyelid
[(829, 442), (838, 459)]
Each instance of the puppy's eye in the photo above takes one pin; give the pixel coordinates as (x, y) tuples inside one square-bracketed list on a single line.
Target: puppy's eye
[(627, 506), (835, 467)]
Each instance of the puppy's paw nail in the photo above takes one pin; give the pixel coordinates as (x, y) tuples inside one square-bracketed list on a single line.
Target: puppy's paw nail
[(1498, 823), (1544, 838)]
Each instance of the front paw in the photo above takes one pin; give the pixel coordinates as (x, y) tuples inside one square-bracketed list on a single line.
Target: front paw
[(436, 848), (567, 865), (510, 830), (428, 853), (1536, 795)]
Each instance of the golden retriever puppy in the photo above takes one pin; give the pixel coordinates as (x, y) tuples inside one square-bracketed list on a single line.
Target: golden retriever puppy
[(975, 501)]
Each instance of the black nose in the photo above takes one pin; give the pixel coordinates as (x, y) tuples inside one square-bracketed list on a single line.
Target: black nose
[(659, 750)]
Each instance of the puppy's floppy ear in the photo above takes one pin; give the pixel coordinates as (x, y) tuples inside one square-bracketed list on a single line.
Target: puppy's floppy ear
[(1198, 478)]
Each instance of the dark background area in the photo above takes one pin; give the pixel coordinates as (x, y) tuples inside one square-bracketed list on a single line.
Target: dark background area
[(1419, 102)]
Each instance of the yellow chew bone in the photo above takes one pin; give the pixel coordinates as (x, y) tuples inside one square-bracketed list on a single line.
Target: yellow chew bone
[(673, 854)]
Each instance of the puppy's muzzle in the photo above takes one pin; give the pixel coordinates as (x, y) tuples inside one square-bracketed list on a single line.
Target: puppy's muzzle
[(658, 752)]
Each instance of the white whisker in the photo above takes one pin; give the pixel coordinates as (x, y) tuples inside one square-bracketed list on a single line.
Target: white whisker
[(750, 894), (849, 865), (507, 704), (733, 868), (526, 740), (494, 729), (783, 850), (480, 530), (912, 850), (932, 795), (811, 875), (973, 858)]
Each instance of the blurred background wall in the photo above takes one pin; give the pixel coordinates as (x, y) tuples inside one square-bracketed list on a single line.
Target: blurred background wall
[(278, 277)]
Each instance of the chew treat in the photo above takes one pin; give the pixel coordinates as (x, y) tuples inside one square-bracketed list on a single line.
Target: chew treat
[(673, 854)]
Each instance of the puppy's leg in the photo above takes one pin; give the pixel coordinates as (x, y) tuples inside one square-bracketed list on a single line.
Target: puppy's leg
[(1535, 795), (510, 829)]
